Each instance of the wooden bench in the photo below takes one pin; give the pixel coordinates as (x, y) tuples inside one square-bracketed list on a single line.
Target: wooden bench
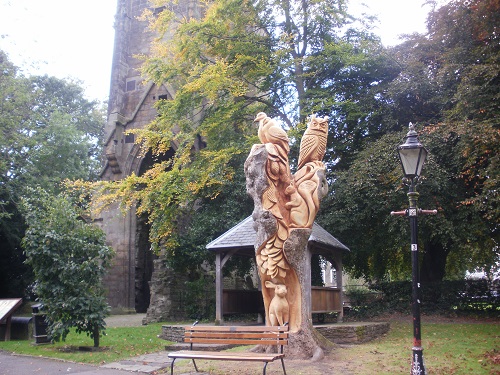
[(240, 335)]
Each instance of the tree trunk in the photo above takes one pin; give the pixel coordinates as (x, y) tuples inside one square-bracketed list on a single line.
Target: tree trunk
[(433, 263), (96, 336), (304, 342)]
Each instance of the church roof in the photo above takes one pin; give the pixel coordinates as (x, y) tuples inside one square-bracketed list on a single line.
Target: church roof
[(243, 235)]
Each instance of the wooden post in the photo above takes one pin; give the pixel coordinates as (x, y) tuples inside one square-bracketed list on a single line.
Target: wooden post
[(338, 275), (7, 328), (219, 320), (220, 261)]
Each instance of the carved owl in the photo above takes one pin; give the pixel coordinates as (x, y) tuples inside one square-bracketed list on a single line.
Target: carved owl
[(313, 144)]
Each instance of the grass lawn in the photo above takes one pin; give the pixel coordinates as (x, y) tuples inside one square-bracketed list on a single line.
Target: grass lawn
[(119, 343), (449, 348)]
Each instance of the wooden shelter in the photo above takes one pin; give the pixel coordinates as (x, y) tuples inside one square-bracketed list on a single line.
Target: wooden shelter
[(240, 241)]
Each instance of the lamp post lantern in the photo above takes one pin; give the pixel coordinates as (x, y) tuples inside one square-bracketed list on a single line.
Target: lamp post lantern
[(412, 155)]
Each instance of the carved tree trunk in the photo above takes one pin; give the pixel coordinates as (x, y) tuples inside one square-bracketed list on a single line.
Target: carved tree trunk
[(304, 342)]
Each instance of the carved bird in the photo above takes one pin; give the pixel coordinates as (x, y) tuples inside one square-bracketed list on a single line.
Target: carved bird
[(270, 132), (313, 144)]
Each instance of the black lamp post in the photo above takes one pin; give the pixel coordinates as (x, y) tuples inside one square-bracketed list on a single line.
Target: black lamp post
[(413, 155)]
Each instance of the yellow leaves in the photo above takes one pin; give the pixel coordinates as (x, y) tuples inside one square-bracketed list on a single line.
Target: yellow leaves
[(160, 49), (102, 194), (211, 80), (210, 172), (161, 3), (159, 142), (162, 190), (159, 19), (208, 65)]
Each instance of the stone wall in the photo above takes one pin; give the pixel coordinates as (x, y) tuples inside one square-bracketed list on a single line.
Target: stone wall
[(172, 333), (167, 293), (342, 333), (119, 281)]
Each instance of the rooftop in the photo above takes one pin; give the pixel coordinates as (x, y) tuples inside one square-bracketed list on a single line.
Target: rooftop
[(243, 235)]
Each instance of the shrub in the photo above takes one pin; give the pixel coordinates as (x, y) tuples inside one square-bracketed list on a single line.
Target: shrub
[(445, 297), (69, 258)]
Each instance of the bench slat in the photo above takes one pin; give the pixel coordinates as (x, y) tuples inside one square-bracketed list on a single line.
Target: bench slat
[(238, 328), (230, 356), (238, 335), (236, 341)]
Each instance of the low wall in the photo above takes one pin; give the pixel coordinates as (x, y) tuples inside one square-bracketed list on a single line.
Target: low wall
[(339, 333), (172, 333)]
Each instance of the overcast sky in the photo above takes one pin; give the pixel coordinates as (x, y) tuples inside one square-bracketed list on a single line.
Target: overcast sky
[(74, 38)]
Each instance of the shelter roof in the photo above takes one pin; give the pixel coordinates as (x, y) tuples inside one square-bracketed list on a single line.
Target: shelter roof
[(242, 236)]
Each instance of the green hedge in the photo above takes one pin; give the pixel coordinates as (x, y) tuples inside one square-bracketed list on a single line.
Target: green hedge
[(461, 296)]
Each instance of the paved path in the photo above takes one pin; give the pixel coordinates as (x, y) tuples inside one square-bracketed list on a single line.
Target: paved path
[(147, 363), (11, 364), (129, 320)]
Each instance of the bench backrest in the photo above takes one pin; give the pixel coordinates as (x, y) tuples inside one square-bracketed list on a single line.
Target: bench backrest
[(236, 335)]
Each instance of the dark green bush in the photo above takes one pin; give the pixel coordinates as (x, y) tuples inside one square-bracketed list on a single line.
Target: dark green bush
[(445, 297), (200, 298)]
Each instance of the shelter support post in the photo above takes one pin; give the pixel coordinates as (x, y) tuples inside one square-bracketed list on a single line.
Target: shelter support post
[(220, 260), (218, 289), (338, 274)]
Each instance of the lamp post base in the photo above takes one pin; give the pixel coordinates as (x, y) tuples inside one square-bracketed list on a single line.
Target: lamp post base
[(417, 362)]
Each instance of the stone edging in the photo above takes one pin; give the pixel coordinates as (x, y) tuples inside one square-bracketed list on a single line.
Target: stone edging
[(341, 333)]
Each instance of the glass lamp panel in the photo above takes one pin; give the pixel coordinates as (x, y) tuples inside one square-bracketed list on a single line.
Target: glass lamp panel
[(412, 160), (421, 160)]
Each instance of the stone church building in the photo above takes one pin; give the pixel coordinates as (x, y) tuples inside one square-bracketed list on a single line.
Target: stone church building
[(131, 106)]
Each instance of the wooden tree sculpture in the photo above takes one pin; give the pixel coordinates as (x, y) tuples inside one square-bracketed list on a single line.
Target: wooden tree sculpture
[(285, 207)]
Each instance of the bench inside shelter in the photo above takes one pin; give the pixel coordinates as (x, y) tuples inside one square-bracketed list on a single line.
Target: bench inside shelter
[(240, 241)]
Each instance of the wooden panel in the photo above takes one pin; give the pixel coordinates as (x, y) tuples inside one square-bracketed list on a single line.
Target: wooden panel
[(234, 335), (325, 299), (238, 328), (8, 307), (236, 341), (237, 335), (230, 356)]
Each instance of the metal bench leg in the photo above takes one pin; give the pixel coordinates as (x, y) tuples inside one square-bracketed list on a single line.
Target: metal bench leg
[(283, 365), (264, 370), (194, 363), (172, 366)]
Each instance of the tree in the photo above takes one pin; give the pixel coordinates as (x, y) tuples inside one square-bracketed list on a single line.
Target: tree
[(236, 60), (49, 132), (456, 240), (349, 84), (13, 103), (69, 258), (448, 82), (212, 218), (451, 72)]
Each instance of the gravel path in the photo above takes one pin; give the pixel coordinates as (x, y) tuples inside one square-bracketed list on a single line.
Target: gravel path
[(128, 320)]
